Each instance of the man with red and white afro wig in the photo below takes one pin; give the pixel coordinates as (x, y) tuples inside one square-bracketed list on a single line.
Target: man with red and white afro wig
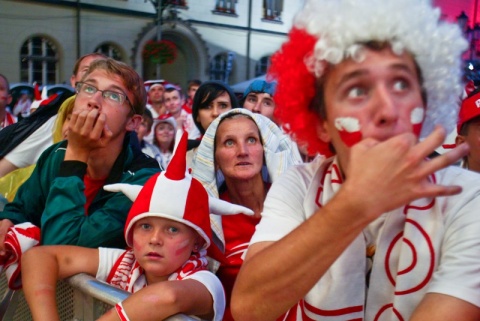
[(377, 230)]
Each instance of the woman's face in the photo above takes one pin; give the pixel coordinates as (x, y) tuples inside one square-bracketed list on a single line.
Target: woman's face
[(218, 106), (164, 134), (238, 148)]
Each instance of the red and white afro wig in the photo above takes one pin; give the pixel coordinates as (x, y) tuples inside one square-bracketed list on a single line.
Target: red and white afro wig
[(326, 32)]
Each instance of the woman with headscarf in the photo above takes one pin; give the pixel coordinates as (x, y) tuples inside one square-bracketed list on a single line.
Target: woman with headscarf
[(240, 155)]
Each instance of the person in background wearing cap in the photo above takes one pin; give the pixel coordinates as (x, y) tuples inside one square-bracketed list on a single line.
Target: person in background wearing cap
[(144, 130), (173, 99), (64, 195), (168, 233), (155, 99), (6, 118), (377, 231), (468, 129), (164, 128), (258, 98)]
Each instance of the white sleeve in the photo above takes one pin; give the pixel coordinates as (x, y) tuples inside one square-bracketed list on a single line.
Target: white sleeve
[(214, 286), (106, 259), (283, 209), (28, 151), (459, 263)]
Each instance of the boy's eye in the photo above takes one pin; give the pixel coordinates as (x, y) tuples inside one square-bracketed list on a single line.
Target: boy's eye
[(116, 97), (173, 229), (89, 89), (145, 226), (229, 142), (252, 140)]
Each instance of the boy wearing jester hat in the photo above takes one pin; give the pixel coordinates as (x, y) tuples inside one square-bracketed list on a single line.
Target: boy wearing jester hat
[(377, 231), (168, 232)]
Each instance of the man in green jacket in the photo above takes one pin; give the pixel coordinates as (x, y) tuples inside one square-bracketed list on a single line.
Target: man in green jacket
[(65, 196)]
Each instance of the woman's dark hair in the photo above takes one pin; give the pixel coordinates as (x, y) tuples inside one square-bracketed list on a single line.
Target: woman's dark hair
[(206, 93)]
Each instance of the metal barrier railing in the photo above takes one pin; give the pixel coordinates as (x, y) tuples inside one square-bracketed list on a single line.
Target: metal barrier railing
[(79, 298)]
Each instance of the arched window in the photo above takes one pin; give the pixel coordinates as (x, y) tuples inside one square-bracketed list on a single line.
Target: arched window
[(262, 66), (38, 61), (221, 66), (110, 50)]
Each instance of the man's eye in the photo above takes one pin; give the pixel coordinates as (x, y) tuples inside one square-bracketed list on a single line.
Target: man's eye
[(356, 92), (89, 89), (114, 96), (229, 142), (268, 103), (400, 85), (252, 140)]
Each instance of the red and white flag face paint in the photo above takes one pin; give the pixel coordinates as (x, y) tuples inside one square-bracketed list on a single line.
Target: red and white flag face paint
[(349, 130), (416, 118)]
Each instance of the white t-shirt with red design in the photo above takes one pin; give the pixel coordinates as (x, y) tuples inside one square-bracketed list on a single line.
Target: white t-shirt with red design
[(429, 245), (133, 278)]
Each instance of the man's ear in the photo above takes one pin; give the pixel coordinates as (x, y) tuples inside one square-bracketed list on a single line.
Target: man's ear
[(460, 139), (134, 122), (322, 132)]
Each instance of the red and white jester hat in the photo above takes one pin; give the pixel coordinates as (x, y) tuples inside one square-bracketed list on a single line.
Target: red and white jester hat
[(176, 195)]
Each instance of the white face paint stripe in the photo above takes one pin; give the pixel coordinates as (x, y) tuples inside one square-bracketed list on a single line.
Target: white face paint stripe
[(417, 114), (348, 124)]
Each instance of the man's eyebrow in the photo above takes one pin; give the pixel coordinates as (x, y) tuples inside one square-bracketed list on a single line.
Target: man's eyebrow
[(351, 75), (363, 72)]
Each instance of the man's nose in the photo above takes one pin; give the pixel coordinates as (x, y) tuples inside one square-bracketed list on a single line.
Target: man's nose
[(95, 101), (257, 107), (386, 109)]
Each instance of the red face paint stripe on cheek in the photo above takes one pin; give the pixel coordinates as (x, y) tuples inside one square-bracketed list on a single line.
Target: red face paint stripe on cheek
[(417, 118), (349, 130)]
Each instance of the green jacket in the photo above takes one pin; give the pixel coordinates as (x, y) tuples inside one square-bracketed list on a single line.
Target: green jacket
[(53, 198)]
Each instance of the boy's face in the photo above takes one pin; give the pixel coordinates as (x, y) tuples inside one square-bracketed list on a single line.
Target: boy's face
[(119, 119), (378, 98), (260, 103), (161, 246), (173, 102)]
